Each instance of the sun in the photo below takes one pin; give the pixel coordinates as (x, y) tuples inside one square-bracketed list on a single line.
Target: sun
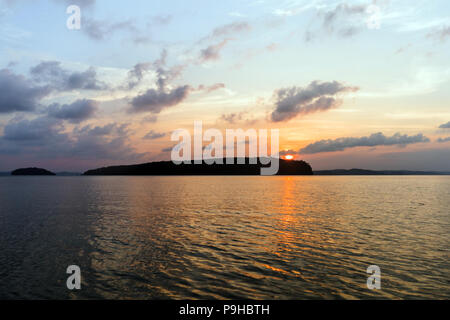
[(288, 157)]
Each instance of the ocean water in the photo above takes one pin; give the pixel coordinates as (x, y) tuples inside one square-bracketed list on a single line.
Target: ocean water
[(225, 237)]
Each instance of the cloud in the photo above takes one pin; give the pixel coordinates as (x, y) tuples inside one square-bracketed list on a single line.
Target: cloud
[(441, 140), (101, 29), (155, 101), (80, 3), (376, 139), (163, 74), (285, 152), (232, 117), (109, 142), (212, 52), (18, 93), (104, 29), (442, 34), (341, 11), (151, 118), (47, 138), (53, 74), (102, 130), (445, 125), (221, 36), (75, 112), (211, 88), (152, 135), (344, 20), (317, 96), (39, 129), (169, 149), (136, 74), (238, 117), (231, 28), (227, 30)]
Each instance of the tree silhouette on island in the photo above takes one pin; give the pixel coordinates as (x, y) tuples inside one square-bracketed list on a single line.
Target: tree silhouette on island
[(286, 167), (32, 172)]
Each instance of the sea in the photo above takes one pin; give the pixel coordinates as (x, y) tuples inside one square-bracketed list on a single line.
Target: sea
[(225, 237)]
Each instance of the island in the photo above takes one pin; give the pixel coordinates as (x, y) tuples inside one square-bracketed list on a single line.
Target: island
[(286, 167), (365, 172), (32, 172)]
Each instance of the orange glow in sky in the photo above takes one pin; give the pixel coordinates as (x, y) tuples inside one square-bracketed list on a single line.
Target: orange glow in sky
[(289, 157)]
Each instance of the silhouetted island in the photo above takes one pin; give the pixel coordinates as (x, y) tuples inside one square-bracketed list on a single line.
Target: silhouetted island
[(360, 172), (287, 167), (32, 172)]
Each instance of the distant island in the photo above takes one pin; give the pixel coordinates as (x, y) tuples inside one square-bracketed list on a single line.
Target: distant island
[(360, 172), (32, 172), (287, 167)]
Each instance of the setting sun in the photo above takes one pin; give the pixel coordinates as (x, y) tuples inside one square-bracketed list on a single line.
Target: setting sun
[(289, 157)]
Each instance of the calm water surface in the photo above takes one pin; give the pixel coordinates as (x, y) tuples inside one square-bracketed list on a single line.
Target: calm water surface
[(225, 237)]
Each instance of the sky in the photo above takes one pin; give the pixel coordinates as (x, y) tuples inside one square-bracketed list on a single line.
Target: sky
[(349, 84)]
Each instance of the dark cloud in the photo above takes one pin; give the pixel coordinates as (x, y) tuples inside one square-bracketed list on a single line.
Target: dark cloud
[(445, 125), (317, 96), (53, 74), (163, 74), (46, 138), (110, 142), (136, 74), (75, 112), (446, 139), (212, 52), (152, 135), (102, 130), (376, 139), (155, 101), (18, 93), (36, 130)]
